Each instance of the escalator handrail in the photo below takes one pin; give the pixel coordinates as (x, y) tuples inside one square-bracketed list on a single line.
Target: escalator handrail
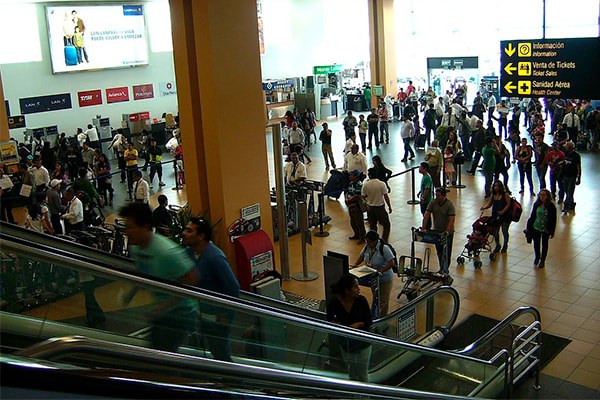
[(57, 347), (109, 260), (499, 327), (181, 290)]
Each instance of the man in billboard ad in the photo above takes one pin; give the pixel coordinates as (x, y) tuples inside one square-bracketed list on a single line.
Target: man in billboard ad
[(114, 36)]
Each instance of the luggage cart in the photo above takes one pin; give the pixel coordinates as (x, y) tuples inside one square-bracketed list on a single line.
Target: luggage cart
[(415, 271)]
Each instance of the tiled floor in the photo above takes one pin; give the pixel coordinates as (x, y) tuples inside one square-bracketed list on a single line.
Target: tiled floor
[(567, 291)]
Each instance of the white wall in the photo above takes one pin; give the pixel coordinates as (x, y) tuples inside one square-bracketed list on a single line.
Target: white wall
[(300, 34), (35, 78)]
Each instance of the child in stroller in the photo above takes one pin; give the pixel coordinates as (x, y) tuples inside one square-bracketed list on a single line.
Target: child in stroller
[(479, 240)]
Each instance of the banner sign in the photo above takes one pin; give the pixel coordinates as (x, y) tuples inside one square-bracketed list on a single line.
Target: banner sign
[(16, 121), (167, 89), (31, 105), (115, 95), (327, 69), (280, 84), (142, 92), (562, 68), (90, 98), (9, 152)]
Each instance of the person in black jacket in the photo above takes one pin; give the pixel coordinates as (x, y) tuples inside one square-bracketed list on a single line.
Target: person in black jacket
[(381, 172), (541, 226), (350, 308)]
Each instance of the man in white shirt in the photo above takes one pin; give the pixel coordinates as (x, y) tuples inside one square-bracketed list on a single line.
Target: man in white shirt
[(74, 215), (295, 138), (87, 155), (349, 143), (92, 135), (141, 189), (407, 132), (446, 98), (572, 123), (295, 171), (440, 108), (375, 193), (81, 137), (41, 177), (491, 105), (355, 160)]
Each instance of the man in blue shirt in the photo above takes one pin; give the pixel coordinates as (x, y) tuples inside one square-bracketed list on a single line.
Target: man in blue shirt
[(216, 276), (173, 317)]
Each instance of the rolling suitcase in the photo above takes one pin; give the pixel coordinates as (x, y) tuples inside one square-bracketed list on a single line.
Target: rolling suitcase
[(420, 141), (70, 55)]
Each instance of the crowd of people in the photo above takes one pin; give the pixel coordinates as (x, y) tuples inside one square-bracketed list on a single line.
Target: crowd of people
[(63, 182)]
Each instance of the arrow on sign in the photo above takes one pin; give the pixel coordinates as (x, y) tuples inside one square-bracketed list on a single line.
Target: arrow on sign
[(510, 87), (510, 50), (509, 68)]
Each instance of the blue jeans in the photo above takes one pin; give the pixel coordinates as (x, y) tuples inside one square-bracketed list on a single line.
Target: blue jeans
[(476, 158), (541, 173), (407, 148), (428, 134), (445, 257), (383, 128), (569, 187)]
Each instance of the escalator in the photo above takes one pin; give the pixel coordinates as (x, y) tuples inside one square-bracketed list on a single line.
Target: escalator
[(273, 339)]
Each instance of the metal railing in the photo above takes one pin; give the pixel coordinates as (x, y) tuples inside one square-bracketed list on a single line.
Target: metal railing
[(191, 366)]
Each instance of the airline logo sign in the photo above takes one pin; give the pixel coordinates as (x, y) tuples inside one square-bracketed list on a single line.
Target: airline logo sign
[(115, 95), (89, 98), (563, 68), (142, 92)]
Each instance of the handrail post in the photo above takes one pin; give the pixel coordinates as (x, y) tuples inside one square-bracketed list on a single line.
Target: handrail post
[(284, 246), (305, 275), (414, 200)]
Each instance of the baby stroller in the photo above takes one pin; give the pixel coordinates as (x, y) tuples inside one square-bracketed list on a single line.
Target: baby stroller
[(480, 240)]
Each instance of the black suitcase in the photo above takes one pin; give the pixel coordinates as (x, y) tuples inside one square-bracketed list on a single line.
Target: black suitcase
[(420, 141)]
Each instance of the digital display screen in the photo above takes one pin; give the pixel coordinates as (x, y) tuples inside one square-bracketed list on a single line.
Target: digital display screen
[(90, 37)]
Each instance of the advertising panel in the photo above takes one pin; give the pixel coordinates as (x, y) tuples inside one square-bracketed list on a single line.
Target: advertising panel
[(115, 95), (53, 102), (88, 37), (89, 98), (142, 92)]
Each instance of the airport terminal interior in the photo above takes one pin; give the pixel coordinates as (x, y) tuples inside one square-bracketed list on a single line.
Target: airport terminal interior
[(566, 292)]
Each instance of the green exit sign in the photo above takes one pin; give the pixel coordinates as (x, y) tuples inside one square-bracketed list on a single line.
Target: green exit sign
[(327, 69)]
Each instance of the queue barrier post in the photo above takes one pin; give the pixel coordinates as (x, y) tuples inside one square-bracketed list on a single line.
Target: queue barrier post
[(321, 232)]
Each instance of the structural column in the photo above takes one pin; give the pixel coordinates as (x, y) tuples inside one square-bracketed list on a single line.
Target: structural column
[(4, 133), (221, 110), (383, 45)]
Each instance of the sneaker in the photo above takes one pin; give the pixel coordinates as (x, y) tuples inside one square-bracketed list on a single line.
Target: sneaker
[(536, 261), (521, 191), (503, 250), (161, 184), (353, 237), (541, 265), (403, 160)]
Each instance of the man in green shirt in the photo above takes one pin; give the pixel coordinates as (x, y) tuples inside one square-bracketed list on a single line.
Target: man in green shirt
[(426, 192), (489, 163), (172, 317)]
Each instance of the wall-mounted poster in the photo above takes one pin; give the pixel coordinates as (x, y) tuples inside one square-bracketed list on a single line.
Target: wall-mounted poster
[(116, 95), (90, 37), (31, 105)]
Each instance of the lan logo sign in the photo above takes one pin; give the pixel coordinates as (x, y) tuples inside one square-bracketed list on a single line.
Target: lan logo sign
[(524, 87), (524, 49)]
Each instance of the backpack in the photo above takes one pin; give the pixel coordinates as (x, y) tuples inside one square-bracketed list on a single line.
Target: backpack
[(516, 209), (395, 265)]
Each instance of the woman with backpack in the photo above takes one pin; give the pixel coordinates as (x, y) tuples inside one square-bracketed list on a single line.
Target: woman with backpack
[(501, 203), (379, 256)]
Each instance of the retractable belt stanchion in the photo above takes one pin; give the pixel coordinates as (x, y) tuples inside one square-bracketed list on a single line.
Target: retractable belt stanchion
[(413, 185), (305, 275), (321, 232), (459, 184)]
